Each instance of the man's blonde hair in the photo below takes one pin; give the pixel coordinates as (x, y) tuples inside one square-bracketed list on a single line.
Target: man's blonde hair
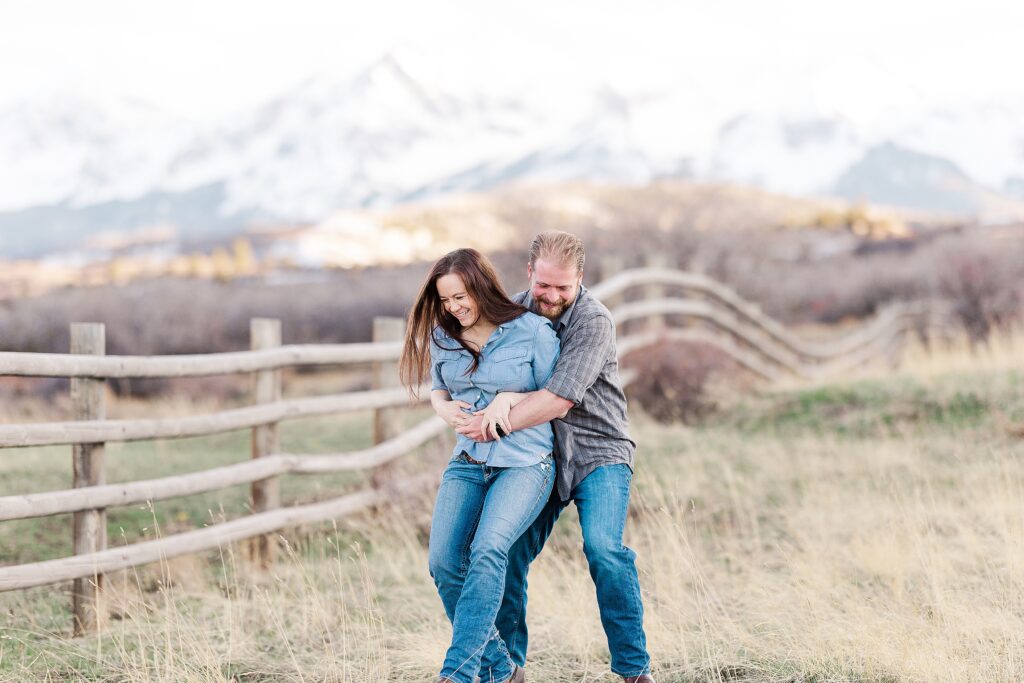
[(562, 247)]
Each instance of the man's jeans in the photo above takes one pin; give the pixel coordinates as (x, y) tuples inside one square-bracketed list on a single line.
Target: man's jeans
[(602, 500), (479, 513)]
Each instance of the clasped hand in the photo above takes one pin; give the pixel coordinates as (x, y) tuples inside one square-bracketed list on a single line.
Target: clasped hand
[(496, 415), (454, 412), (481, 425)]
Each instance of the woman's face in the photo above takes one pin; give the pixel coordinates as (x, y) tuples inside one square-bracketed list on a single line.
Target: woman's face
[(456, 300)]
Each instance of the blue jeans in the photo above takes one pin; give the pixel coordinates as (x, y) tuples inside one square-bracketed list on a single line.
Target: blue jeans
[(602, 499), (479, 513)]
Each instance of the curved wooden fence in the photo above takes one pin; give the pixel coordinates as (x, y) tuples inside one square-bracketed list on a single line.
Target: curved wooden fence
[(713, 314), (754, 340)]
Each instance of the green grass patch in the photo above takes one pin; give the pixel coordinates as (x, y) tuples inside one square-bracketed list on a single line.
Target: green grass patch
[(867, 409)]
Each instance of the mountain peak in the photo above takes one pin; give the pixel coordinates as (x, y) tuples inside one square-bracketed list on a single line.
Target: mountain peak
[(893, 175), (401, 74)]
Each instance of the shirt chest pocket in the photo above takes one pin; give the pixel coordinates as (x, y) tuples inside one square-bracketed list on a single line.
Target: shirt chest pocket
[(453, 365), (508, 368)]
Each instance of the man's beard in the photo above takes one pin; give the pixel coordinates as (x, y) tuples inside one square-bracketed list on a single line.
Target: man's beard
[(552, 311)]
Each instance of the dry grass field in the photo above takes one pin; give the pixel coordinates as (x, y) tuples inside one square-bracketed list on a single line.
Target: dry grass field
[(869, 529)]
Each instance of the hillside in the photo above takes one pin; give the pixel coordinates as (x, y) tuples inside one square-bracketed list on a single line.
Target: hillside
[(497, 220)]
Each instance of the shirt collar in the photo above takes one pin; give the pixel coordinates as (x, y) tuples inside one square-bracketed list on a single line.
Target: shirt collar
[(440, 335)]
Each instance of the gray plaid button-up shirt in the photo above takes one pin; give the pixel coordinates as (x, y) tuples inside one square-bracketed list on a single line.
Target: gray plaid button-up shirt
[(595, 431)]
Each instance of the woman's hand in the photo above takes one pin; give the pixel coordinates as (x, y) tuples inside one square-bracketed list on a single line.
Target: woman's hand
[(448, 410), (497, 414), (452, 412)]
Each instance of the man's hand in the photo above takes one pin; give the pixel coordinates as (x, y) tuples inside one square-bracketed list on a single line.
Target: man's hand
[(474, 429)]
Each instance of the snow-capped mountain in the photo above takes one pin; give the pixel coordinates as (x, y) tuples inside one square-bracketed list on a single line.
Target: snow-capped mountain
[(67, 147), (73, 165), (785, 154)]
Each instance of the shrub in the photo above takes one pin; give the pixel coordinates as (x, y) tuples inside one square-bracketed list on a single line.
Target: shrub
[(674, 379)]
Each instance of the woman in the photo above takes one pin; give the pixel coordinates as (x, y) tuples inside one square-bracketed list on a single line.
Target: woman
[(476, 342)]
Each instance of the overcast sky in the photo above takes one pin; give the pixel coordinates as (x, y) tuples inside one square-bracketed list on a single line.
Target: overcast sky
[(206, 57)]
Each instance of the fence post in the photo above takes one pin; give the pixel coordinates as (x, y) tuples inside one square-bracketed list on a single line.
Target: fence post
[(386, 422), (265, 333), (89, 526), (655, 323)]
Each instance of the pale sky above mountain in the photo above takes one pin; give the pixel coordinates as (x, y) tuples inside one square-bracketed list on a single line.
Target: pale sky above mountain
[(202, 58)]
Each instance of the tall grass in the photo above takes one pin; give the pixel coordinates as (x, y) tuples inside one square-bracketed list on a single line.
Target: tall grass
[(1000, 352)]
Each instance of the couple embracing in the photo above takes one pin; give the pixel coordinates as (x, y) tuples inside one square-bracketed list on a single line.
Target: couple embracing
[(531, 386)]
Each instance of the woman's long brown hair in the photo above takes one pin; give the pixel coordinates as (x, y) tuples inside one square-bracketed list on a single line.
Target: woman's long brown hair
[(482, 283)]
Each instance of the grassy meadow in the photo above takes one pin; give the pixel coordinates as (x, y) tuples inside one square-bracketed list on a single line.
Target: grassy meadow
[(865, 529)]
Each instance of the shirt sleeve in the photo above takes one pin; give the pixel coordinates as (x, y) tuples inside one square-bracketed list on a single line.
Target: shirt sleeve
[(545, 353), (436, 381), (584, 354)]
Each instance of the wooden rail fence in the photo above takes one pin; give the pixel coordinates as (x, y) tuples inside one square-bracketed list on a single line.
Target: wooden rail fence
[(715, 314)]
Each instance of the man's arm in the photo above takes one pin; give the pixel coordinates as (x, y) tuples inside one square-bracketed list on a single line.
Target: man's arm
[(585, 352), (578, 367), (536, 408)]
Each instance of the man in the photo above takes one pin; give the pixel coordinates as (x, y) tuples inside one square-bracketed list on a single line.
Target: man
[(594, 453)]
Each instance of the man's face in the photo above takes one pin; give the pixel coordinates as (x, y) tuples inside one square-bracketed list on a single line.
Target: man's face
[(553, 286)]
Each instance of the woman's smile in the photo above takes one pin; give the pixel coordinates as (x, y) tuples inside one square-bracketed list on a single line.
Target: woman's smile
[(456, 300)]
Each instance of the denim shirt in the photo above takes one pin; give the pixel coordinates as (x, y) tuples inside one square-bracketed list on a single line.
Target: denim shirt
[(519, 356)]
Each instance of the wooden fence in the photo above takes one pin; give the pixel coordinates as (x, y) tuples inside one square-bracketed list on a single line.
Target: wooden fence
[(713, 314)]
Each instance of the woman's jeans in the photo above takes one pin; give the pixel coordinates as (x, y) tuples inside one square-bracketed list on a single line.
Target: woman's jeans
[(479, 513)]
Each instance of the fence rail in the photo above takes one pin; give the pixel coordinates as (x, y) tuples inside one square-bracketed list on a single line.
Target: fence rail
[(733, 325), (118, 367), (98, 563), (100, 431), (749, 316), (131, 493)]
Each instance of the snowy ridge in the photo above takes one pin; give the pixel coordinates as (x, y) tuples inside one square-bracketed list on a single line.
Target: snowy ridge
[(393, 134)]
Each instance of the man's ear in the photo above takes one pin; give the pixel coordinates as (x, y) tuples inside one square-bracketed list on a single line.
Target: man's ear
[(529, 271)]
